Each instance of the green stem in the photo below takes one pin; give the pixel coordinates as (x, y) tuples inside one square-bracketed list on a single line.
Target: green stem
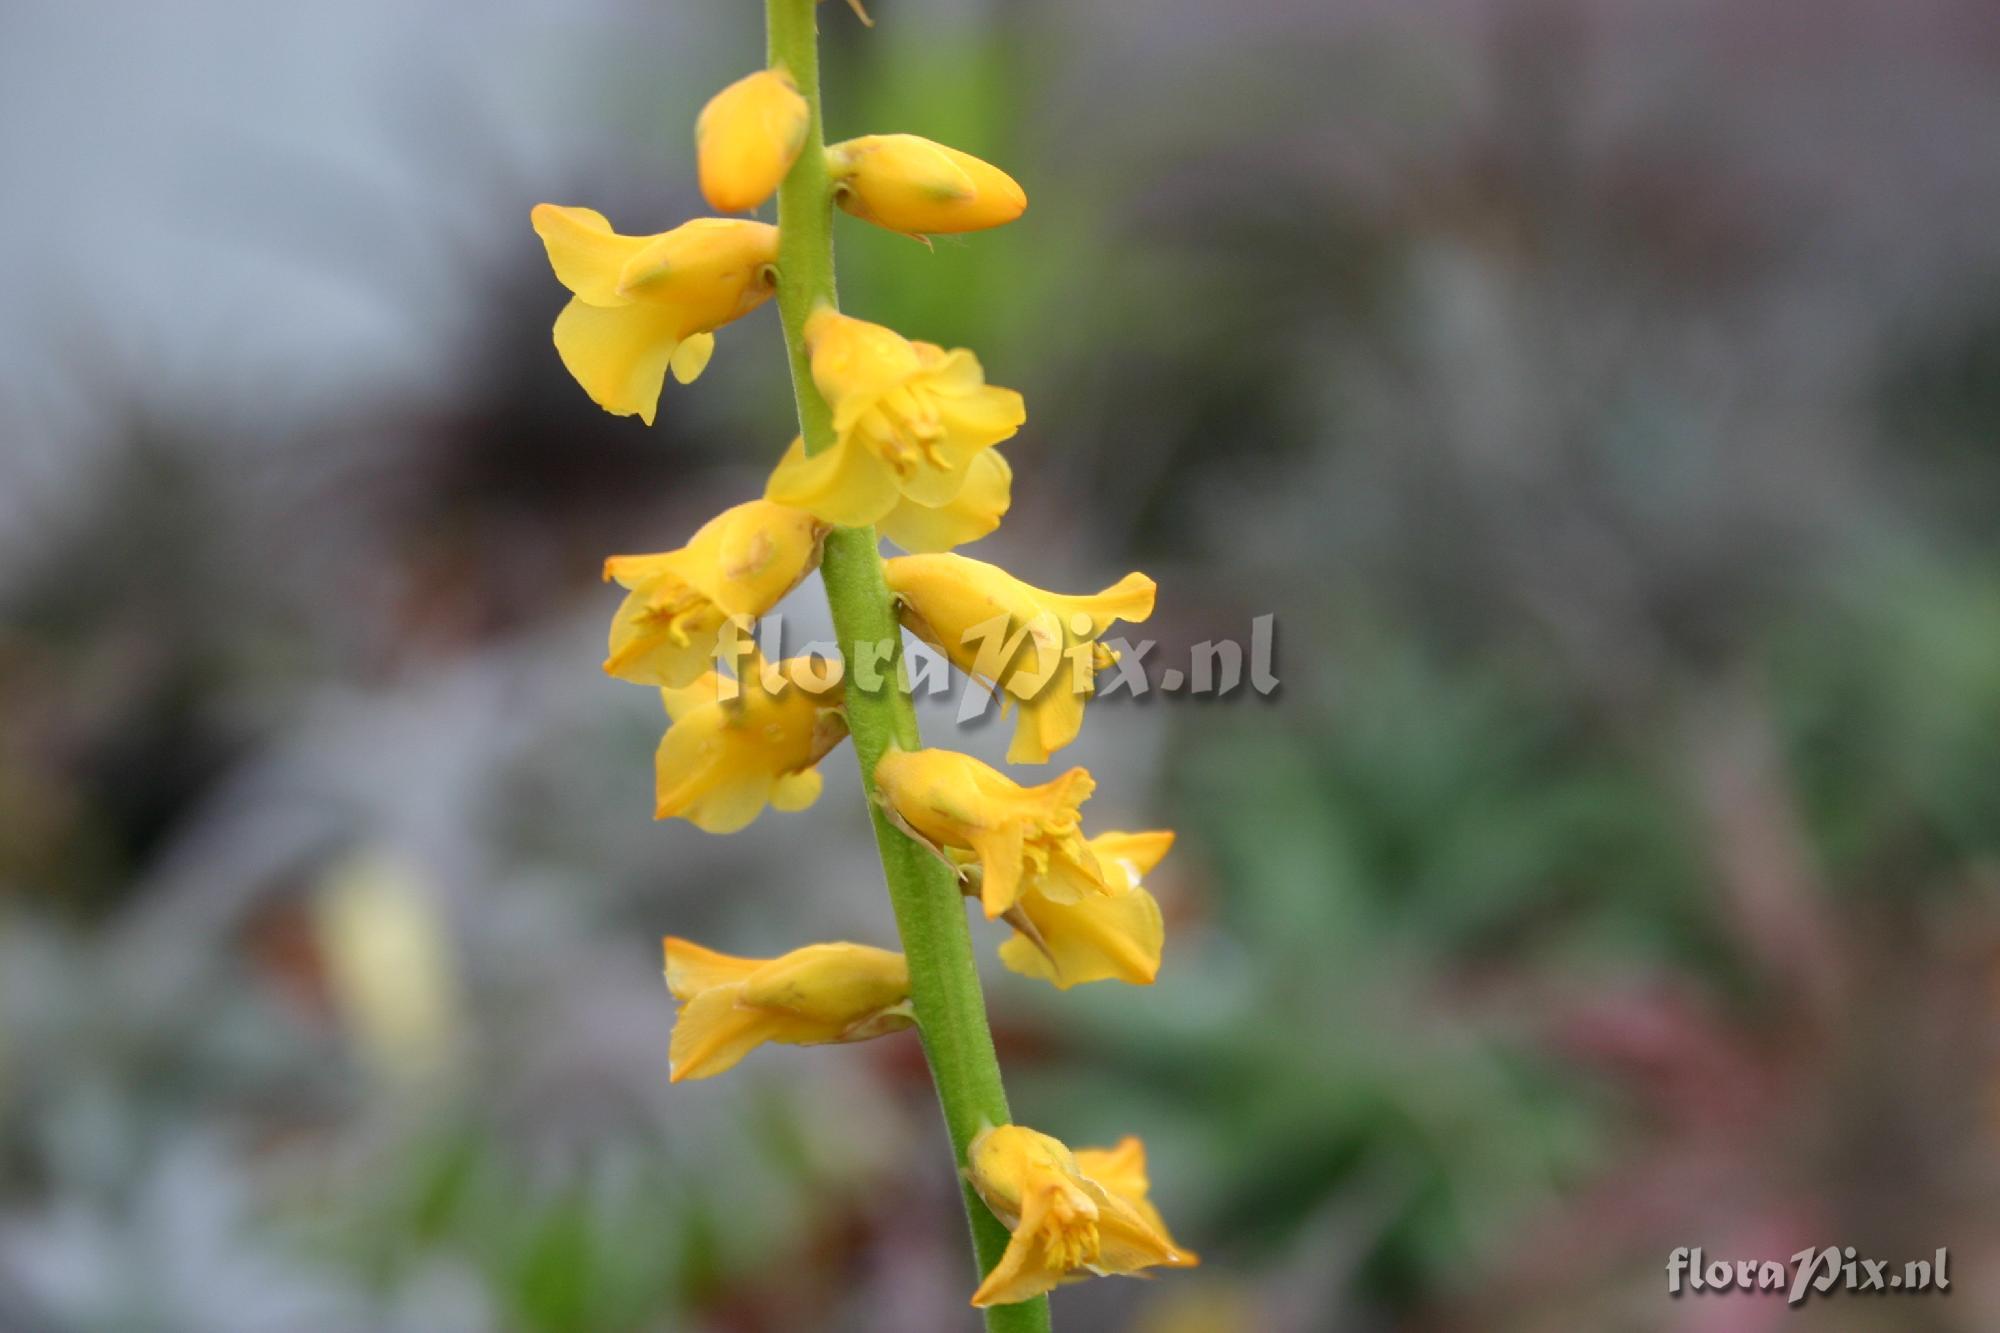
[(930, 914)]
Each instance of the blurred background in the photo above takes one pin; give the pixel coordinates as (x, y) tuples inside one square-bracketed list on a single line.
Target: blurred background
[(1601, 394)]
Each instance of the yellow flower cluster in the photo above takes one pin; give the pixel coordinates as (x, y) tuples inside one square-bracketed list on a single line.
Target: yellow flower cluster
[(911, 456)]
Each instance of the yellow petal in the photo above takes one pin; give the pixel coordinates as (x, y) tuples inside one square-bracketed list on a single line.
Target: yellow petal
[(712, 1034), (618, 354), (1024, 1270), (1132, 1237), (796, 791), (843, 485), (585, 253), (833, 985), (724, 758), (692, 969), (645, 655), (1000, 854), (1130, 599), (986, 413), (972, 514), (700, 778), (747, 138), (1048, 722), (854, 361), (1120, 1168), (713, 269), (1135, 853), (1095, 938), (630, 571), (691, 357), (707, 688)]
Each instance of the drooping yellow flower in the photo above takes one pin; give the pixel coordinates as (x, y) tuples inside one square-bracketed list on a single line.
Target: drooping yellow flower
[(1093, 937), (972, 514), (737, 745), (909, 420), (679, 603), (1039, 647), (747, 138), (1071, 1213), (912, 185), (641, 304), (809, 997), (959, 805)]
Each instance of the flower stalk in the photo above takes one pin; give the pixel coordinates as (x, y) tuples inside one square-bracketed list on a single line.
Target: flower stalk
[(930, 915)]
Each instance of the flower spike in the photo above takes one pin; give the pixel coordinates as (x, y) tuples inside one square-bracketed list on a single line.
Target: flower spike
[(642, 304), (813, 996), (904, 437)]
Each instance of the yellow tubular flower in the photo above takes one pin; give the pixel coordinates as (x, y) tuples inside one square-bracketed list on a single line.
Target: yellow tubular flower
[(809, 997), (974, 513), (1071, 1213), (1096, 937), (917, 187), (737, 745), (642, 304), (1039, 647), (957, 804), (909, 421), (679, 603), (747, 138)]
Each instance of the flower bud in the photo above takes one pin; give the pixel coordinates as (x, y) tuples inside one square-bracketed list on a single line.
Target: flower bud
[(909, 184), (747, 138)]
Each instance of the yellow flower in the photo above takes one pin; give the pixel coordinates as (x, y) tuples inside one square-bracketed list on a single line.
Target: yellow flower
[(679, 603), (972, 514), (909, 420), (643, 303), (1039, 647), (957, 804), (747, 138), (1094, 937), (1071, 1213), (738, 745), (917, 187), (809, 997)]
